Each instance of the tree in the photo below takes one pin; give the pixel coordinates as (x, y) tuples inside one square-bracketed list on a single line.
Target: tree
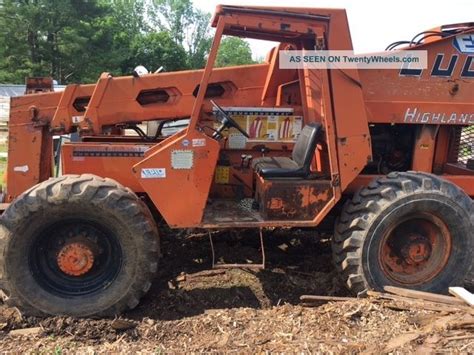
[(156, 49), (39, 37), (114, 35), (76, 40), (70, 40), (234, 51), (174, 16), (109, 46), (187, 26), (198, 39)]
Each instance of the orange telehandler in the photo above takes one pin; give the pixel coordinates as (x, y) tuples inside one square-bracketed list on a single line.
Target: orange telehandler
[(389, 152)]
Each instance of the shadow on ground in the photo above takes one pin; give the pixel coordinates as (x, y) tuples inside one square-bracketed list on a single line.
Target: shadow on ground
[(297, 262)]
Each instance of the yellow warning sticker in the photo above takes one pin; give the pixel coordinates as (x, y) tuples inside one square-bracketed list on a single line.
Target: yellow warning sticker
[(222, 174)]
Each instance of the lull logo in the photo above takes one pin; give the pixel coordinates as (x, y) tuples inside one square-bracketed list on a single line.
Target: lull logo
[(464, 43), (445, 67)]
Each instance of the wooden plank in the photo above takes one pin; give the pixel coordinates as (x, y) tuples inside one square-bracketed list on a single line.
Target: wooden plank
[(26, 331), (428, 296), (405, 303), (315, 298), (463, 294)]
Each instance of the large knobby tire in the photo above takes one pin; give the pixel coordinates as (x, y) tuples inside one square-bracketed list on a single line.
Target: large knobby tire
[(409, 229), (78, 246)]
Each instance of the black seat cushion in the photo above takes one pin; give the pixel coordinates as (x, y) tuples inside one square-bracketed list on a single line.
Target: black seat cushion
[(273, 162), (299, 165)]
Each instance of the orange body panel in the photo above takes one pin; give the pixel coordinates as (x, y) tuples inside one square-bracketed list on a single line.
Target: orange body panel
[(181, 189), (30, 145), (389, 95), (104, 159)]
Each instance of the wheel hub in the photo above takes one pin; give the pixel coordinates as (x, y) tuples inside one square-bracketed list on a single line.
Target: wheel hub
[(75, 259), (417, 250)]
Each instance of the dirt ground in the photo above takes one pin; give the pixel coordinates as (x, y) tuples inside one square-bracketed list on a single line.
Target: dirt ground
[(236, 310)]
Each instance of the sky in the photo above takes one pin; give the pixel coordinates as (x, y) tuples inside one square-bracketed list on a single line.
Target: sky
[(373, 24)]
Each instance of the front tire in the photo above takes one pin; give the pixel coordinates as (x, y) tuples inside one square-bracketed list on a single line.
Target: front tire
[(77, 246), (410, 229)]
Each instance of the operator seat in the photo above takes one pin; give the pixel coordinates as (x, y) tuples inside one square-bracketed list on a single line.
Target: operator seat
[(298, 166)]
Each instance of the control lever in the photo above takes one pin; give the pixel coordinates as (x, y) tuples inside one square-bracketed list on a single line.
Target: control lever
[(249, 160), (242, 160), (245, 161)]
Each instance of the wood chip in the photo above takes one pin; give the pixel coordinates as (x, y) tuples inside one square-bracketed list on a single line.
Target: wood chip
[(122, 324), (460, 337), (433, 339), (3, 296), (401, 340), (26, 331), (355, 313), (205, 273)]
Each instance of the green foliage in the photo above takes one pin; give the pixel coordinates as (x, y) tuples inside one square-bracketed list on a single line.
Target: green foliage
[(154, 50), (234, 51), (40, 37), (187, 26), (76, 40), (198, 40), (174, 16)]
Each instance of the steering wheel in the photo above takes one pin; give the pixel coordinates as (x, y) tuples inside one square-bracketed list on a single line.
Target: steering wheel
[(226, 122)]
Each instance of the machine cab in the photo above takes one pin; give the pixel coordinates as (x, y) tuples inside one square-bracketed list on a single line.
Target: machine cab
[(275, 162)]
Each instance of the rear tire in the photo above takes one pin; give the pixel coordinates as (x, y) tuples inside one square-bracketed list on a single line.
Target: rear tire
[(77, 246), (410, 229)]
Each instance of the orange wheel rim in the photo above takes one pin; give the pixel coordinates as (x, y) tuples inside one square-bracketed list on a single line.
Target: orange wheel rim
[(75, 259), (416, 249)]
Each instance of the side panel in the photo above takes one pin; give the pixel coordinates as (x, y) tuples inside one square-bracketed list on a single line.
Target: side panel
[(113, 161), (30, 146), (283, 200), (177, 176), (441, 94)]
